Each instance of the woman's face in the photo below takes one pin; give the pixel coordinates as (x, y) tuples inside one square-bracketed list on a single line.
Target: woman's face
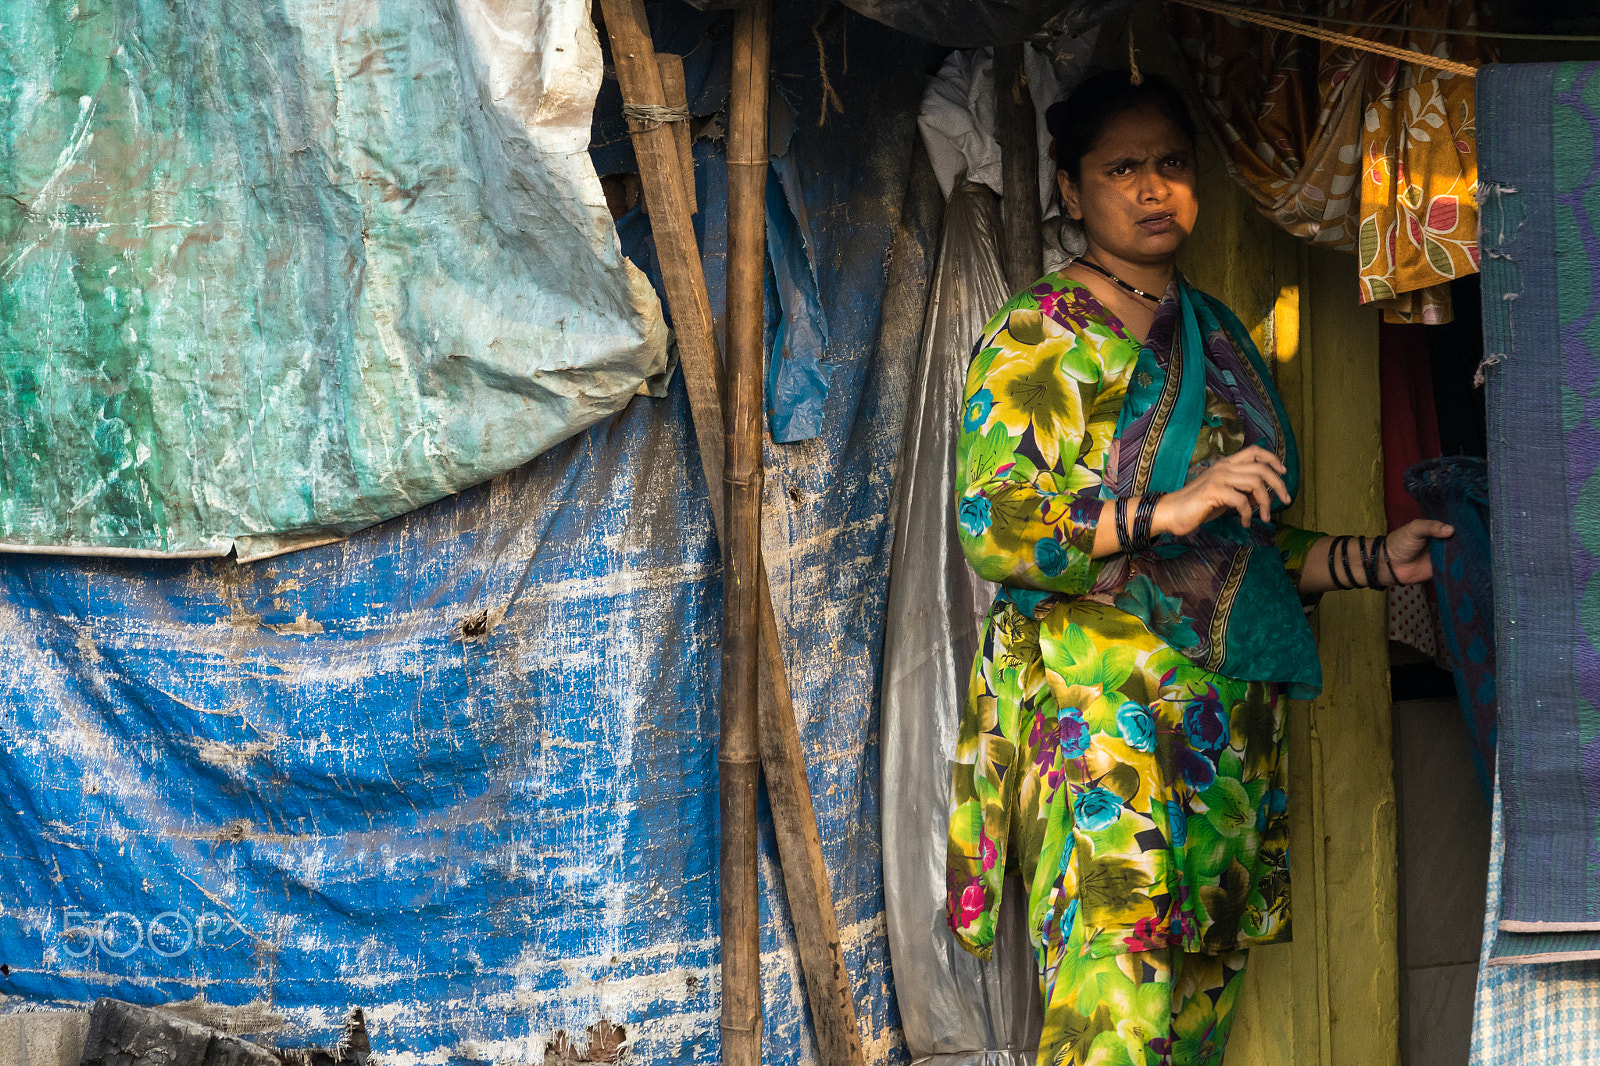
[(1136, 196)]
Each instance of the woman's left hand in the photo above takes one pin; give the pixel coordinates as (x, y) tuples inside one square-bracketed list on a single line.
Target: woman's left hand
[(1408, 550)]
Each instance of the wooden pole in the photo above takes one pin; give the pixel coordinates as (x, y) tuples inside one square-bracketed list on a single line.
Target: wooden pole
[(662, 179), (783, 757), (739, 759), (675, 90), (805, 875), (1022, 244)]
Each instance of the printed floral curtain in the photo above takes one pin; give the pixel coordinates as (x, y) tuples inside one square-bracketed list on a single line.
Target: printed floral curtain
[(1346, 148)]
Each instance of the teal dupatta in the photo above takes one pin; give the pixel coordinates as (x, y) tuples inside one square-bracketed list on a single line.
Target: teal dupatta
[(1221, 594)]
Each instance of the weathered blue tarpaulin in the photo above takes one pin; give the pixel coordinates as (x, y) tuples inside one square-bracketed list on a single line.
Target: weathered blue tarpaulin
[(273, 272), (459, 770)]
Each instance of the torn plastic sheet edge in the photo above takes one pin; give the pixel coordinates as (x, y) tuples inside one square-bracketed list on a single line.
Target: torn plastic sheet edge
[(108, 552)]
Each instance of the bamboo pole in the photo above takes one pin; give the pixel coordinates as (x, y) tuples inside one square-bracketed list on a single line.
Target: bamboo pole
[(739, 759), (1022, 245), (675, 90), (805, 875), (662, 179)]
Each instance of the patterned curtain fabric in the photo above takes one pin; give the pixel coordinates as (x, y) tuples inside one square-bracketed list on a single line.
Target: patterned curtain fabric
[(1350, 149), (1455, 489)]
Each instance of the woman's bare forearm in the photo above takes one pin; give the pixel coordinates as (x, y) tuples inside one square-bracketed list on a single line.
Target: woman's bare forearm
[(1315, 577)]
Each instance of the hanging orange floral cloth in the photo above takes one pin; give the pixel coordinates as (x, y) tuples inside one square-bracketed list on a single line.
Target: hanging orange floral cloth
[(1342, 147)]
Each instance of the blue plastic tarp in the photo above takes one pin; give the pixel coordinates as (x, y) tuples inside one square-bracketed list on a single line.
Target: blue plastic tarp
[(797, 379), (459, 770)]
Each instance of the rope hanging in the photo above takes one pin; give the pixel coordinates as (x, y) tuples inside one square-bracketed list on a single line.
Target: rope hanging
[(651, 116), (1261, 18), (829, 96), (1449, 31)]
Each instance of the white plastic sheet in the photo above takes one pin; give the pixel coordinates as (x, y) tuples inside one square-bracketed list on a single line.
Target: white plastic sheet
[(957, 120), (273, 273)]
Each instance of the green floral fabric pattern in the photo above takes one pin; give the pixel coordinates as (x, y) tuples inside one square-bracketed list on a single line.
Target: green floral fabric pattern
[(1153, 1008), (1136, 792), (1140, 796)]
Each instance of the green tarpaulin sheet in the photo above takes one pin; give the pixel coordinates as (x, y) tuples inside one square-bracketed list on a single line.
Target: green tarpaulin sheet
[(271, 272)]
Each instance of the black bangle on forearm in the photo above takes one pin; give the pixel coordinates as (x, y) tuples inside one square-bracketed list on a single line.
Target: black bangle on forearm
[(1382, 547), (1374, 558), (1144, 520), (1124, 542), (1369, 564), (1350, 579), (1336, 551)]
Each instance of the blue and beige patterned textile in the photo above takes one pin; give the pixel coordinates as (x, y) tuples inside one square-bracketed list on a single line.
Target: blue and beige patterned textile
[(1549, 1015), (1541, 326)]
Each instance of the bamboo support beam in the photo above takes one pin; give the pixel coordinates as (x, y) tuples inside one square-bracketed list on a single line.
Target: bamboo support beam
[(805, 875), (663, 182), (739, 758), (782, 755), (675, 89)]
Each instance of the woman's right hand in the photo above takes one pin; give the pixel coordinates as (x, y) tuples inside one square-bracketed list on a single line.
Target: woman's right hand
[(1244, 482)]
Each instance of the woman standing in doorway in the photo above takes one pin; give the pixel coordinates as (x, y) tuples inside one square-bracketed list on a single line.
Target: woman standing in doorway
[(1122, 455)]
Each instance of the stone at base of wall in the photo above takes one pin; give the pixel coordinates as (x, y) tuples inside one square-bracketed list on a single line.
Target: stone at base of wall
[(43, 1037)]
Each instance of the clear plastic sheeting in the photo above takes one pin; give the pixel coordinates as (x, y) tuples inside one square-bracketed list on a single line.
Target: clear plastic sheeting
[(956, 1010)]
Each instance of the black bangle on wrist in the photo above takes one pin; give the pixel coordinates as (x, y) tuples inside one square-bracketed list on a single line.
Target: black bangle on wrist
[(1124, 542), (1144, 519), (1382, 547), (1335, 550), (1369, 563)]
